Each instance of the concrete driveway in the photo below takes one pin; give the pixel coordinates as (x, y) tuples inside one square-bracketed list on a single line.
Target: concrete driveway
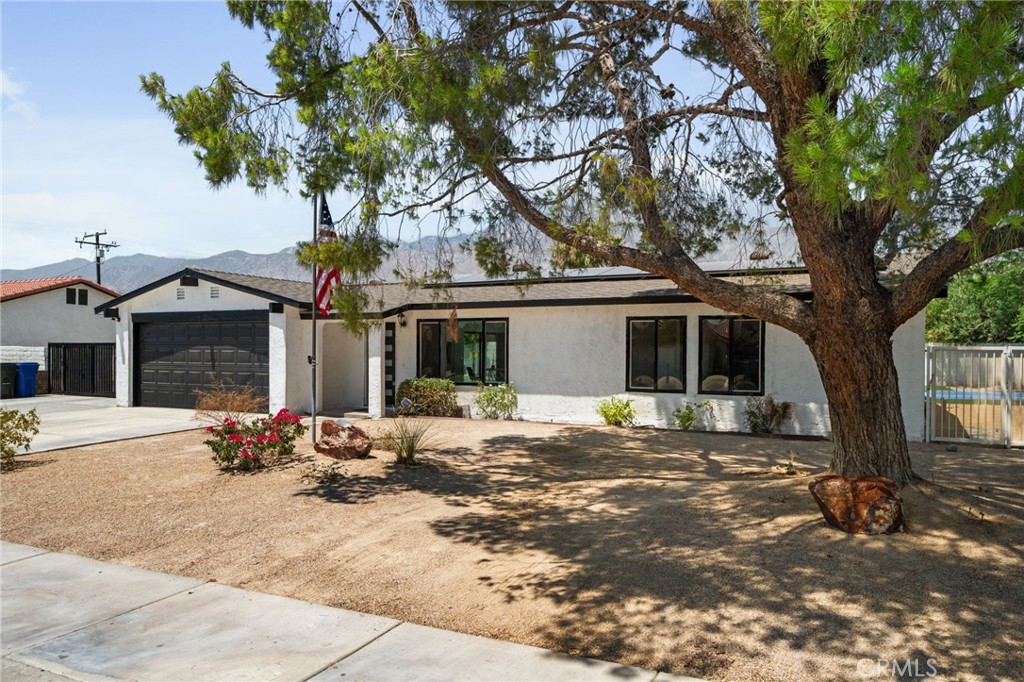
[(69, 421)]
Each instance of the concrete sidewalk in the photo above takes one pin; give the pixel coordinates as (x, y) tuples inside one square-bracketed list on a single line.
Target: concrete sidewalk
[(68, 617)]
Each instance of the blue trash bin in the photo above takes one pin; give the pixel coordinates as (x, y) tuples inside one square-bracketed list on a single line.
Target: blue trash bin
[(25, 379)]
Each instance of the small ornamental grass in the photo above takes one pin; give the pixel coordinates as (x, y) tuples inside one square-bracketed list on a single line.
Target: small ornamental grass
[(617, 411), (496, 402), (17, 429), (406, 437), (247, 446)]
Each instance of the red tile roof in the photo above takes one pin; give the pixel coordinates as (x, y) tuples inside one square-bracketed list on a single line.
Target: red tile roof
[(16, 288)]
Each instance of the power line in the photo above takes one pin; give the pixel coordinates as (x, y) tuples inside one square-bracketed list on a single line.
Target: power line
[(100, 248)]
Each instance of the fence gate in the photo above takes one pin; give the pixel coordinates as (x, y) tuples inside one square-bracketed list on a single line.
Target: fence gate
[(975, 394), (81, 368)]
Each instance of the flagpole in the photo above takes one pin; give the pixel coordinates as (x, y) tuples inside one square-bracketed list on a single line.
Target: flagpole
[(312, 363)]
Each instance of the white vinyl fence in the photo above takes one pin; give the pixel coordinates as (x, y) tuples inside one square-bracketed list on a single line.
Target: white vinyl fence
[(975, 394)]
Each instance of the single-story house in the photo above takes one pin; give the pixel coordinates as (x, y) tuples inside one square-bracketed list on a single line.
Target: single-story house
[(565, 343), (50, 321)]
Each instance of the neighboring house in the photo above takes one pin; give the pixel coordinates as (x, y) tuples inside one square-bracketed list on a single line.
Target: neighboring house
[(564, 343), (51, 321)]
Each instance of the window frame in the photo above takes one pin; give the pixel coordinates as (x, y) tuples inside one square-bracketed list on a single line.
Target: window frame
[(629, 351), (71, 296), (443, 324), (83, 297), (700, 355)]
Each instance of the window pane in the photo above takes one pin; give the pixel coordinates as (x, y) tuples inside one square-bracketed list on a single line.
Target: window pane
[(746, 356), (466, 352), (670, 355), (83, 297), (71, 296), (642, 365), (714, 354), (430, 349), (495, 340)]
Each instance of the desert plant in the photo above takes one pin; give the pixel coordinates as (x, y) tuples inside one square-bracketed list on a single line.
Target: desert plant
[(496, 402), (406, 437), (246, 446), (232, 403), (323, 474), (765, 414), (427, 397), (687, 415), (617, 411), (17, 429)]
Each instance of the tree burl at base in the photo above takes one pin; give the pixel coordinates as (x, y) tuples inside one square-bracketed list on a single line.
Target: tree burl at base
[(342, 442), (870, 505)]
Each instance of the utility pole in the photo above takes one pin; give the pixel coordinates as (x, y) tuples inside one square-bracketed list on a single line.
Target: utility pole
[(99, 246)]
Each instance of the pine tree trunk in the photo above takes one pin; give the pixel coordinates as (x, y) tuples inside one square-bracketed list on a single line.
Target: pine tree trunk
[(859, 375)]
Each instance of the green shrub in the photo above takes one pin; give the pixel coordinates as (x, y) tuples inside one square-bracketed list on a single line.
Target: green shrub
[(765, 414), (687, 415), (427, 397), (254, 445), (617, 411), (406, 437), (17, 429), (496, 402)]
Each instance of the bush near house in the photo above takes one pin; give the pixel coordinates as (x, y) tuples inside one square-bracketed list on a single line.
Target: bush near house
[(688, 414), (16, 432), (766, 414), (617, 411), (427, 397), (499, 401)]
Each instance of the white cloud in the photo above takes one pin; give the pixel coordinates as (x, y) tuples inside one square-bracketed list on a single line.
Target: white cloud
[(13, 93)]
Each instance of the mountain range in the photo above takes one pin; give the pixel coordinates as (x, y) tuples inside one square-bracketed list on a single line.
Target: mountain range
[(127, 273)]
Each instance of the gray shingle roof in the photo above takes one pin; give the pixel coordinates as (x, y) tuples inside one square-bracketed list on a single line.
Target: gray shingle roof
[(388, 299)]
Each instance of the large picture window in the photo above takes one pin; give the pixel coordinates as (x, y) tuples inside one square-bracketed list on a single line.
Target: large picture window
[(479, 354), (731, 355), (656, 352)]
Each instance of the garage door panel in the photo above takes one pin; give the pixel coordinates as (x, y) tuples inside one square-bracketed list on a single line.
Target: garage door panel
[(176, 359)]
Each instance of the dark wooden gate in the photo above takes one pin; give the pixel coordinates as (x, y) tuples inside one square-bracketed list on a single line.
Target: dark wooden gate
[(81, 368)]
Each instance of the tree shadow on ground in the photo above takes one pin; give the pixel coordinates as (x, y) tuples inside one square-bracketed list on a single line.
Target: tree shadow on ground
[(682, 552)]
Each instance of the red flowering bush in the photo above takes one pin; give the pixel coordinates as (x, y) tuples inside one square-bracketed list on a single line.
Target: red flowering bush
[(248, 446)]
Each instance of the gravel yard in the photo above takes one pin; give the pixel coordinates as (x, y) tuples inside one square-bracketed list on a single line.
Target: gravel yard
[(690, 553)]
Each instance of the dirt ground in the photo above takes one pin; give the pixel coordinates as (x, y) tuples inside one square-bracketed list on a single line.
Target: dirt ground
[(689, 553)]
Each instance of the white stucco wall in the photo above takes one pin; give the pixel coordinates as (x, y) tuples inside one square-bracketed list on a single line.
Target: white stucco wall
[(563, 360), (46, 317), (299, 372), (343, 360)]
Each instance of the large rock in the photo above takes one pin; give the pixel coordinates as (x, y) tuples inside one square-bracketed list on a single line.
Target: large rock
[(869, 505), (342, 441)]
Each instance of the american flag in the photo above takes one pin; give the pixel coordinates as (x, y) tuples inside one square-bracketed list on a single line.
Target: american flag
[(325, 279)]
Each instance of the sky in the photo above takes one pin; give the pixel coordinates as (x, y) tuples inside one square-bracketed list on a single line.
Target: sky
[(83, 150)]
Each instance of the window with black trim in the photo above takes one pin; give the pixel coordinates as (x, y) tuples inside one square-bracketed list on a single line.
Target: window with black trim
[(83, 297), (731, 355), (71, 296), (478, 353), (656, 354)]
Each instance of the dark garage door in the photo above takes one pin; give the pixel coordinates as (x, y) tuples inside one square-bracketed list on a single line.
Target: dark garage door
[(175, 358)]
